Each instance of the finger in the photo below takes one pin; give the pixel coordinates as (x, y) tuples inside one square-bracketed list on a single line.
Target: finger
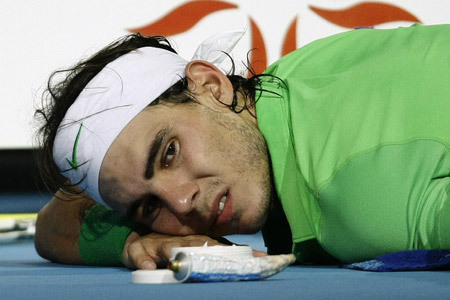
[(139, 258), (258, 253), (165, 249), (148, 264), (166, 253)]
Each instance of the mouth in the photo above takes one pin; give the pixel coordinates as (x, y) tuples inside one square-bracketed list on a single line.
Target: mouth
[(224, 210)]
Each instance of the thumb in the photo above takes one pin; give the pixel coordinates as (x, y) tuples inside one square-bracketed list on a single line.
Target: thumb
[(147, 264), (137, 258)]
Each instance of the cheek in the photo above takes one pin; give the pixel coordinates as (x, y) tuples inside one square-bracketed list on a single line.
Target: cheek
[(199, 149), (167, 223)]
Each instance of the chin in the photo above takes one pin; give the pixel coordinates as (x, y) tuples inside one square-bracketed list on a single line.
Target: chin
[(252, 225), (238, 228), (254, 215)]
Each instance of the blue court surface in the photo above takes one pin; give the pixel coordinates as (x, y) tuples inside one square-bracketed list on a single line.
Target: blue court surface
[(24, 275)]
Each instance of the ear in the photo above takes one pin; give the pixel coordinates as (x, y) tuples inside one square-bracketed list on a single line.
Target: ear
[(210, 84)]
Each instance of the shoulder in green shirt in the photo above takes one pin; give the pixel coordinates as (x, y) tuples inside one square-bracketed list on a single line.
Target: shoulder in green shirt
[(359, 137)]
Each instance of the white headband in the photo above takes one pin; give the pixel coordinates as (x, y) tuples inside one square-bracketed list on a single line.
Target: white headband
[(122, 89)]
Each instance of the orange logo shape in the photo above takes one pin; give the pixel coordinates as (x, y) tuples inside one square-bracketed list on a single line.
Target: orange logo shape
[(183, 18), (258, 60), (365, 14), (290, 40)]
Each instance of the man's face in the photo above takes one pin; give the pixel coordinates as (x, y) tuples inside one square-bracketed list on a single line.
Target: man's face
[(189, 169)]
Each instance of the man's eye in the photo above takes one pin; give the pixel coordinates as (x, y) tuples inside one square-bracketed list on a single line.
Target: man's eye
[(170, 154), (149, 207)]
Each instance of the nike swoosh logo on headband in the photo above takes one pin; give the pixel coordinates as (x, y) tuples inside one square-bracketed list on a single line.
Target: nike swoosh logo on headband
[(74, 163)]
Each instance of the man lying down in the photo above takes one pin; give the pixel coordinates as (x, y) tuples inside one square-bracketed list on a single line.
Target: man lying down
[(339, 152)]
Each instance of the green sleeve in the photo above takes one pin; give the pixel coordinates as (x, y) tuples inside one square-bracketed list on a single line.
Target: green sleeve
[(103, 235)]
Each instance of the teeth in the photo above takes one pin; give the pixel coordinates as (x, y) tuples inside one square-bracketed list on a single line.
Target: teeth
[(221, 204)]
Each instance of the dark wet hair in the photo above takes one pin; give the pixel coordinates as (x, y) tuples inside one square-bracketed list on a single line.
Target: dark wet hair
[(65, 85)]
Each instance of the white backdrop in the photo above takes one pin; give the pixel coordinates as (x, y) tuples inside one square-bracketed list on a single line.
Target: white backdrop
[(38, 37)]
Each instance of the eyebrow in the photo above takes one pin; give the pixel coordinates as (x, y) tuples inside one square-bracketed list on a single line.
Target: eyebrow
[(155, 146)]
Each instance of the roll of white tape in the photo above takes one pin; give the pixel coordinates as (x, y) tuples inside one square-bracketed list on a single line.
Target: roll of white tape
[(154, 276)]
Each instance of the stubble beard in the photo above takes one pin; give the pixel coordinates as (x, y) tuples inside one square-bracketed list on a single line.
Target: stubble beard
[(250, 156)]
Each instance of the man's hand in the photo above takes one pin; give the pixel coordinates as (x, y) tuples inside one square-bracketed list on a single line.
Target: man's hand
[(154, 250)]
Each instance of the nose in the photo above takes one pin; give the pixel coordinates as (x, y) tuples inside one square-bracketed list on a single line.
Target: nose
[(179, 198)]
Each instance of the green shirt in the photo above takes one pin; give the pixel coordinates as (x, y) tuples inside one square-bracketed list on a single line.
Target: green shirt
[(359, 137)]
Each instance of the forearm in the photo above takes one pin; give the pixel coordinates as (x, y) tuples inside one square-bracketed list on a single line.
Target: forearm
[(71, 230), (107, 238), (58, 227)]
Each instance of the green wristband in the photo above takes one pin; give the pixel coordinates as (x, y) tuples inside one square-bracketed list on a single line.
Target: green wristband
[(103, 235)]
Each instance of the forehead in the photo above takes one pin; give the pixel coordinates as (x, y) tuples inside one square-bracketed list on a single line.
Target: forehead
[(150, 121)]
